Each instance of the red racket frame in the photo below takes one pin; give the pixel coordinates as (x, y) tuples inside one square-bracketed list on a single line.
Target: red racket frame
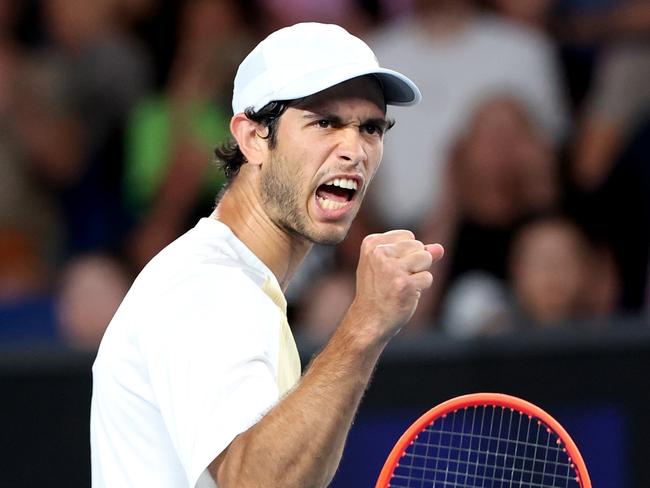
[(482, 399)]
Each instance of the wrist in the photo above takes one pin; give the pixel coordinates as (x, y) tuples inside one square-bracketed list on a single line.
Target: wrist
[(365, 331)]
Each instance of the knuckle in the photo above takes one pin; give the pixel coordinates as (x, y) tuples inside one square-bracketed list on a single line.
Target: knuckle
[(411, 246), (378, 251), (427, 280), (419, 261), (369, 239), (369, 242), (383, 251), (407, 234), (419, 255), (401, 233)]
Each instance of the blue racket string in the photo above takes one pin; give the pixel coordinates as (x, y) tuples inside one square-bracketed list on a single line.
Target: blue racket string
[(487, 447)]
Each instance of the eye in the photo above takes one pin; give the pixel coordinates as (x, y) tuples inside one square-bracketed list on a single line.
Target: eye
[(324, 123), (372, 129)]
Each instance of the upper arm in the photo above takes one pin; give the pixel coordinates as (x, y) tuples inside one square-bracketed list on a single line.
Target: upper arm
[(211, 366)]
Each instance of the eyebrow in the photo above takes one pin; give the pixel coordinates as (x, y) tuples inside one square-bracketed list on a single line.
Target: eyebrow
[(381, 122)]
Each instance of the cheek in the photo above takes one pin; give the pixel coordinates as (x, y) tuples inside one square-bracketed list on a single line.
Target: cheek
[(374, 160), (307, 154), (286, 161)]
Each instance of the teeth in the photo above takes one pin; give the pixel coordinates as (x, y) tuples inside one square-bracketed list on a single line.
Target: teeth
[(330, 204), (344, 183)]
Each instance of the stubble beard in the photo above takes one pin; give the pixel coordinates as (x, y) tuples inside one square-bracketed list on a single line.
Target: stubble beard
[(282, 200)]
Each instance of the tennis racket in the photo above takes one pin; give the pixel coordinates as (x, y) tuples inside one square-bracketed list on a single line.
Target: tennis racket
[(486, 440)]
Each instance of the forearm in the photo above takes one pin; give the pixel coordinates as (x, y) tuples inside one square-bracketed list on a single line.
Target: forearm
[(300, 441)]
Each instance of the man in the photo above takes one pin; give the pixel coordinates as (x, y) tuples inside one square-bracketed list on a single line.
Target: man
[(197, 381)]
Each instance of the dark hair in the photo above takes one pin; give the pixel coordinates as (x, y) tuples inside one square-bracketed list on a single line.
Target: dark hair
[(229, 156)]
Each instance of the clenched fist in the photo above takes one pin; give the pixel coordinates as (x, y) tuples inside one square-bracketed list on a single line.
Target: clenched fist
[(393, 270)]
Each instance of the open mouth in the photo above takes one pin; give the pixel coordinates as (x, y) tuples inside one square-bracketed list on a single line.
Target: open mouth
[(337, 193)]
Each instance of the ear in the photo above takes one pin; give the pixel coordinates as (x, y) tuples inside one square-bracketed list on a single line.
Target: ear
[(248, 135)]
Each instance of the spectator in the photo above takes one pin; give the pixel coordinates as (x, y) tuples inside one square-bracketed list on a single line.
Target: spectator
[(91, 288), (610, 150), (24, 207), (75, 96), (460, 56), (557, 276), (477, 304), (501, 169), (30, 230), (108, 72), (168, 179), (30, 226), (51, 138), (618, 104)]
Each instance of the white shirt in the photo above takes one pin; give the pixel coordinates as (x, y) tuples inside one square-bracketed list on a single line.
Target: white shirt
[(197, 352)]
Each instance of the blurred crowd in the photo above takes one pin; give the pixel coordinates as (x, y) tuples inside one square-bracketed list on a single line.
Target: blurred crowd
[(528, 159)]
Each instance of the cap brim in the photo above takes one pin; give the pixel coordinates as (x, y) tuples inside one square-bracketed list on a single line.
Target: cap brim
[(398, 89)]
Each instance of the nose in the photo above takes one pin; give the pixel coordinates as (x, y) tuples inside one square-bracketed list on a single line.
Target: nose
[(351, 146)]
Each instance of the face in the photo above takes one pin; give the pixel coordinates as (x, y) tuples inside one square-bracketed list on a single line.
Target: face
[(503, 166), (328, 149), (549, 270)]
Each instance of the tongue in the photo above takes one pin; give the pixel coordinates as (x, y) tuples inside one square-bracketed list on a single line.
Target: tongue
[(332, 193)]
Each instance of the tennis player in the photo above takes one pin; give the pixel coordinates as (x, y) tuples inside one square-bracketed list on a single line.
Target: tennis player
[(197, 382)]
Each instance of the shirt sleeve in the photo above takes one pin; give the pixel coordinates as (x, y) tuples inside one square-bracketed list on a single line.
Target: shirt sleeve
[(211, 354)]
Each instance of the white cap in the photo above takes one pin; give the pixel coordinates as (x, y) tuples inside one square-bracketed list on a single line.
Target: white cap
[(304, 59)]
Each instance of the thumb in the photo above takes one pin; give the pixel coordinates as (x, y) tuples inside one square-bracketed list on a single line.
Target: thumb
[(436, 251)]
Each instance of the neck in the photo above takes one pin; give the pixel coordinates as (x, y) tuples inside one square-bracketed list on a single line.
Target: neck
[(241, 210)]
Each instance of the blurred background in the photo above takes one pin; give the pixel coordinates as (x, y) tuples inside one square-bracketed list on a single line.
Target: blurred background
[(528, 159)]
